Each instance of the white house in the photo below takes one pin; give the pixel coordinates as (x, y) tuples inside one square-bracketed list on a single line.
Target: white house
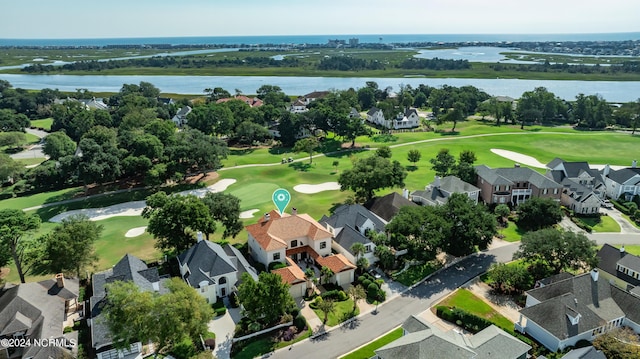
[(213, 270), (376, 117), (560, 314), (439, 191), (623, 183), (180, 119), (408, 119)]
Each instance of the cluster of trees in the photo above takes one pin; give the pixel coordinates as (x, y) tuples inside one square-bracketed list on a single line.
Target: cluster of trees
[(264, 301), (69, 248), (457, 227), (624, 67), (372, 173), (348, 63), (175, 220), (435, 64), (444, 164), (165, 320)]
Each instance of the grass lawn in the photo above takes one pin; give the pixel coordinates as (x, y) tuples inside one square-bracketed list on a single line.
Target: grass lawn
[(464, 299), (630, 220), (632, 249), (341, 313), (601, 224), (44, 123), (512, 233), (30, 161), (40, 198), (264, 344), (415, 273), (367, 351)]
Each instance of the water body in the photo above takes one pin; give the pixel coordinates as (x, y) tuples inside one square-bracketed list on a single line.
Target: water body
[(614, 91), (322, 39)]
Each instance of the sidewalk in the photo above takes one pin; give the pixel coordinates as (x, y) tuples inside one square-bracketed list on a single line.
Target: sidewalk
[(312, 318)]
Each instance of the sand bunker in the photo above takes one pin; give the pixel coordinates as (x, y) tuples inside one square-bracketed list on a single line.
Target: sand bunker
[(97, 214), (135, 208), (134, 232), (315, 188), (519, 157), (249, 213)]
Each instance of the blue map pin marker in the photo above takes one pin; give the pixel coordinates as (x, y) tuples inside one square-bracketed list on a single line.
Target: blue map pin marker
[(281, 198)]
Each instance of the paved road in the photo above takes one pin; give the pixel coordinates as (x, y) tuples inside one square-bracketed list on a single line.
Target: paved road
[(392, 313), (625, 226), (34, 151)]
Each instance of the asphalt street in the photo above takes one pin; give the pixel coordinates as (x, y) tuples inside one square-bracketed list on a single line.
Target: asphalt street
[(395, 311)]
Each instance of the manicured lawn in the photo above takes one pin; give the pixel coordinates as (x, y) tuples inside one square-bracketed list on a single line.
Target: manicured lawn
[(30, 161), (630, 220), (464, 299), (340, 313), (367, 351), (632, 249), (44, 123), (601, 224), (512, 233), (416, 273), (40, 198), (264, 344)]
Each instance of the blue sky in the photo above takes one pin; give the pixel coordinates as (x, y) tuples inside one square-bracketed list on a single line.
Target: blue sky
[(155, 18)]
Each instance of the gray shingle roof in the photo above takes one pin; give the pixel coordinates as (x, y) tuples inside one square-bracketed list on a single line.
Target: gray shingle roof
[(347, 220), (623, 175), (373, 111), (582, 295), (585, 353), (425, 341), (454, 184), (509, 175), (38, 309), (576, 191), (388, 206), (206, 260), (432, 195), (608, 258), (129, 268)]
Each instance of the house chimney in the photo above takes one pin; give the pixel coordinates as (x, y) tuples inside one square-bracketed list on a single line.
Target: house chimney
[(405, 193), (60, 280), (267, 217), (436, 182), (622, 250), (606, 170), (199, 236), (634, 164), (294, 210), (594, 275)]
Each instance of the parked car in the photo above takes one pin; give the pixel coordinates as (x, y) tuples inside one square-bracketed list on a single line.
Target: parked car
[(607, 204)]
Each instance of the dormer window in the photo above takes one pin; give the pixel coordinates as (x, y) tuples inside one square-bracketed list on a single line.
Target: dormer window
[(294, 243)]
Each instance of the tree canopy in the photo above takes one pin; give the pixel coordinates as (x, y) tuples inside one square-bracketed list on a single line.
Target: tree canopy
[(225, 208), (370, 174), (14, 225), (538, 212), (561, 250), (174, 220), (70, 247), (266, 300), (165, 320)]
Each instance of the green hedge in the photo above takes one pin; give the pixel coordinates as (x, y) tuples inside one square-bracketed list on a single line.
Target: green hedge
[(337, 295), (620, 207)]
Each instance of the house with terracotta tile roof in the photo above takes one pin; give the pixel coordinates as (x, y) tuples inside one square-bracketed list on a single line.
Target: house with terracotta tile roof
[(294, 276), (300, 238), (251, 101)]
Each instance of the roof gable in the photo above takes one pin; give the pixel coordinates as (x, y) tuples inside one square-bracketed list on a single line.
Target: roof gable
[(388, 206), (276, 232), (206, 260)]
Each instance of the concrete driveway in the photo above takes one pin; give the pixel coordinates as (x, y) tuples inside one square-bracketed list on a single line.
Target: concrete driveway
[(625, 226), (224, 327)]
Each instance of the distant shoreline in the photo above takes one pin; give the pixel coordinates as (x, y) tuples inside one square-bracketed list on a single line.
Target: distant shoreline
[(322, 39)]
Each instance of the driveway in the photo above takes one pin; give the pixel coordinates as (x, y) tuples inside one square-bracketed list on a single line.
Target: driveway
[(34, 151), (625, 226), (391, 314), (224, 327)]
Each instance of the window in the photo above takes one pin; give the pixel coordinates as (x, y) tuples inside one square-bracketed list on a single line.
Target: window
[(367, 248), (323, 245), (506, 188), (545, 191), (294, 243), (501, 199), (497, 188), (276, 256), (555, 191)]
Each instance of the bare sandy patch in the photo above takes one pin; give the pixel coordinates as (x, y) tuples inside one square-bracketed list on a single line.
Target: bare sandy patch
[(519, 157), (134, 232), (97, 214), (219, 186), (249, 213), (315, 188)]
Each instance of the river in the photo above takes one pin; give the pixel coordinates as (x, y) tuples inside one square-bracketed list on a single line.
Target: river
[(613, 91)]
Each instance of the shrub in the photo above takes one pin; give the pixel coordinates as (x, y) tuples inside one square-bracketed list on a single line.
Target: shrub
[(620, 207), (300, 322), (361, 278), (342, 296), (372, 290), (366, 283), (379, 282), (276, 265), (233, 300), (295, 311), (314, 304), (289, 334), (382, 295)]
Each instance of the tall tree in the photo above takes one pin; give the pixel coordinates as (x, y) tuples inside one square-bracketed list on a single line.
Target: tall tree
[(308, 145), (464, 169), (471, 225), (225, 208), (370, 174), (537, 213), (174, 220), (9, 168), (559, 249), (194, 151), (421, 229), (165, 320), (414, 156), (383, 151), (265, 300), (12, 121), (326, 306), (70, 247), (14, 225), (356, 292), (57, 145), (443, 163)]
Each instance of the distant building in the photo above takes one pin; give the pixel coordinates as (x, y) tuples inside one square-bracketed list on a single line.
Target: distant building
[(514, 185), (439, 191), (623, 183), (354, 42), (388, 206), (180, 119)]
